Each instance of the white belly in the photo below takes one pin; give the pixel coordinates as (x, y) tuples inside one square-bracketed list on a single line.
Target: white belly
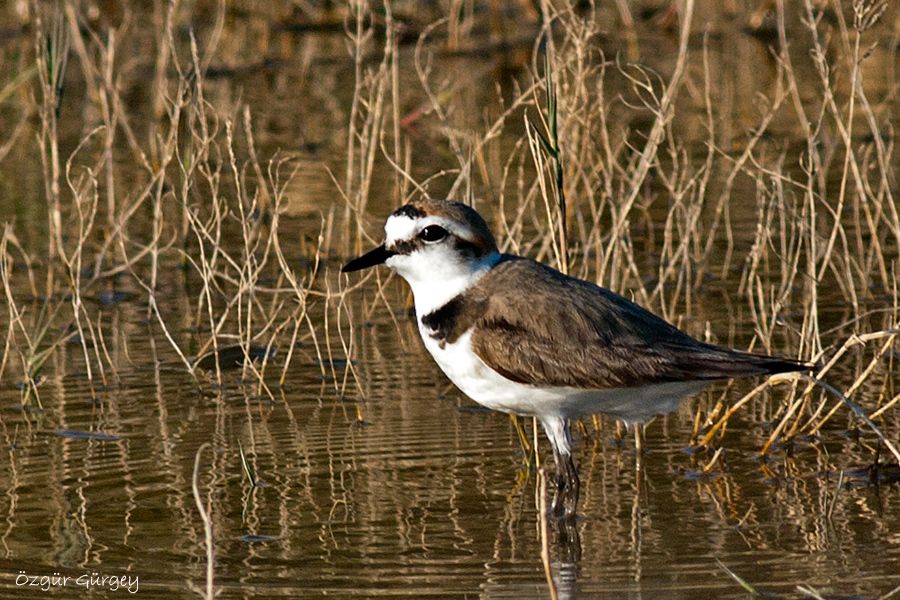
[(481, 383), (487, 387)]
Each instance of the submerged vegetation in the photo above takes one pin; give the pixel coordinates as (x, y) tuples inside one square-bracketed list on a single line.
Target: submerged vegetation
[(212, 165)]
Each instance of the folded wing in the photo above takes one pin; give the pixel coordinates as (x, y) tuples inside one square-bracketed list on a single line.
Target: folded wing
[(591, 338)]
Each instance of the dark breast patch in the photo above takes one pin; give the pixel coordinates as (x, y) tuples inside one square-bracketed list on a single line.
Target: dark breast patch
[(447, 323)]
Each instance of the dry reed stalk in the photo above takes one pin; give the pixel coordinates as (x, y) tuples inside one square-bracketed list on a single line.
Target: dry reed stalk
[(51, 54), (300, 291), (14, 315), (723, 420), (544, 535), (366, 122), (85, 202), (205, 510), (662, 115)]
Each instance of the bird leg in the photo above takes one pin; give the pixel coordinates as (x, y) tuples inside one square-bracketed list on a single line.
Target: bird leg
[(556, 506), (573, 487), (639, 437), (565, 499)]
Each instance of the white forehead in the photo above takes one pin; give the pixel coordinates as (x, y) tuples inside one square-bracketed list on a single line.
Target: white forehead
[(402, 227), (399, 227)]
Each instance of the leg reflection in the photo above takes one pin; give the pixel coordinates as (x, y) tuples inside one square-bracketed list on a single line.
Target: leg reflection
[(560, 538)]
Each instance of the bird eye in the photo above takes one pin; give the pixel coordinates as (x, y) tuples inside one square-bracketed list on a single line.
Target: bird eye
[(433, 233)]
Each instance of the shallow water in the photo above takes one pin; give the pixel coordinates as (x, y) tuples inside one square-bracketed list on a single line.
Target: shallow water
[(427, 497), (389, 482)]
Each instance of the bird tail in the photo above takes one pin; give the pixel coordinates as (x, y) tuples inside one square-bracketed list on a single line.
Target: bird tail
[(773, 365), (722, 363)]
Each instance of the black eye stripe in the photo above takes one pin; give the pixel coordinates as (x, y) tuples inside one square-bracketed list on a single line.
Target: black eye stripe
[(406, 247)]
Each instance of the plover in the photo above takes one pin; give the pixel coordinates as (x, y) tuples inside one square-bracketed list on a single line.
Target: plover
[(520, 337)]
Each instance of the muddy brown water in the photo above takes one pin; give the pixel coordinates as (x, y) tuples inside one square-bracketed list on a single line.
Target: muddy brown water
[(399, 486)]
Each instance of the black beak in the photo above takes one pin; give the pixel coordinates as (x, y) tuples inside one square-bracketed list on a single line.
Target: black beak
[(369, 259)]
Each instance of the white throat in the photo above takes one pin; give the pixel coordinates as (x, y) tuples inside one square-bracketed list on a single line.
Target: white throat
[(437, 280)]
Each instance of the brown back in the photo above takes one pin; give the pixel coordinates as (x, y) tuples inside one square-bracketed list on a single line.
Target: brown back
[(538, 326)]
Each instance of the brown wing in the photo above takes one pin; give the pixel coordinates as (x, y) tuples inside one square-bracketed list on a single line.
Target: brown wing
[(563, 331)]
